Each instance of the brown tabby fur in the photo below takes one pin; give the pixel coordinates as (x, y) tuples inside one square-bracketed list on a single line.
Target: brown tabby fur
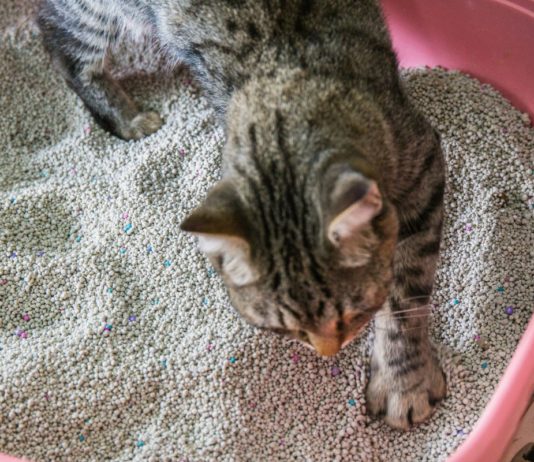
[(330, 206)]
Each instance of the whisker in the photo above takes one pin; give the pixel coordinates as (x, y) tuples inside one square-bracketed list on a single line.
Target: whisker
[(408, 310), (416, 297), (400, 330), (413, 316)]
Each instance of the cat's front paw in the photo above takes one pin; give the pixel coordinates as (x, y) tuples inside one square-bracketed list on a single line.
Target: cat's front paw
[(405, 400), (143, 124)]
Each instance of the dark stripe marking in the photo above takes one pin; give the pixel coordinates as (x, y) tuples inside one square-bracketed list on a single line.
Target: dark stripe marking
[(407, 369), (420, 222), (413, 289), (280, 317), (339, 308), (410, 416), (231, 26), (276, 281), (430, 158), (432, 248), (394, 335), (295, 314), (415, 386), (403, 359), (320, 308), (253, 31)]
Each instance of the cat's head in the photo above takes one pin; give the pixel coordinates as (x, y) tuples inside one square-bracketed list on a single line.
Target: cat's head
[(313, 263)]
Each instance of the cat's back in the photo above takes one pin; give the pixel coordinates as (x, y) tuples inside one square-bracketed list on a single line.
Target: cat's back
[(293, 21), (342, 39), (327, 31), (97, 23), (227, 43)]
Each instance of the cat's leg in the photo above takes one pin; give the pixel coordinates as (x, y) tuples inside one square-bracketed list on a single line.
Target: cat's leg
[(406, 379), (77, 36)]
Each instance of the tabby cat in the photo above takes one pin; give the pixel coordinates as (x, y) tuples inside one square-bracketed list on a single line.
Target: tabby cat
[(330, 205)]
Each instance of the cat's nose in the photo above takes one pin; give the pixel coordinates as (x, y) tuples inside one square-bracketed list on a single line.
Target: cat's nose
[(325, 346)]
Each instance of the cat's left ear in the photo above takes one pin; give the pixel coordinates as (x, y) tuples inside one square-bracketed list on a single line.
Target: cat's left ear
[(223, 233), (353, 200)]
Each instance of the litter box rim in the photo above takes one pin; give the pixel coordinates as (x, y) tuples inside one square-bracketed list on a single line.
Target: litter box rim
[(491, 40)]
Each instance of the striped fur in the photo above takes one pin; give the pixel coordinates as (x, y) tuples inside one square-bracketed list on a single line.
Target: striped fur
[(330, 207)]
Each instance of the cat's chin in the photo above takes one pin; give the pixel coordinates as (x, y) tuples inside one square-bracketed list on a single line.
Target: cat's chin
[(350, 339), (343, 345)]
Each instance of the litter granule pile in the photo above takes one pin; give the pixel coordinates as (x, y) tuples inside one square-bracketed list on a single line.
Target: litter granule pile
[(117, 340)]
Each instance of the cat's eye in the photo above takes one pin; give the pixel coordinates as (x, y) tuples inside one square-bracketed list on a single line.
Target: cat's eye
[(276, 330), (356, 318), (303, 336), (300, 335)]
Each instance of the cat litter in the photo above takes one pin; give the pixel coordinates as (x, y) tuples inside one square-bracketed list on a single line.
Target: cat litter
[(277, 400)]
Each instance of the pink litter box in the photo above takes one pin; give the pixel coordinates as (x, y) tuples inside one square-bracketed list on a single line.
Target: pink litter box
[(492, 40)]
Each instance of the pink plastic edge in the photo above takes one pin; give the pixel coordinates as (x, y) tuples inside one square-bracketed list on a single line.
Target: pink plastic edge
[(491, 40), (4, 458), (449, 33), (495, 428)]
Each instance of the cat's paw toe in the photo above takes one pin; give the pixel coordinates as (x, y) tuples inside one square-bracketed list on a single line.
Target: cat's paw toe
[(143, 124), (146, 123), (403, 407)]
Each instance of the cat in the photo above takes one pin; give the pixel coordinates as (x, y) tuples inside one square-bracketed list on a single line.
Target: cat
[(330, 205)]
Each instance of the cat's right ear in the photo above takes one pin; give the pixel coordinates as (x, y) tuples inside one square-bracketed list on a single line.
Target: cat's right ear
[(351, 201), (223, 233)]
